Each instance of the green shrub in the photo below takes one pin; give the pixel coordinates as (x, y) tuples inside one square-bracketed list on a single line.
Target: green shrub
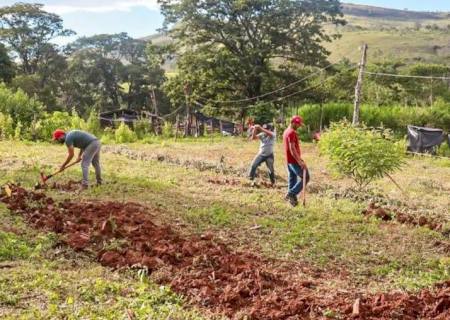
[(18, 131), (444, 150), (19, 106), (107, 137), (124, 134), (93, 123), (167, 130), (51, 122), (6, 126), (76, 122), (143, 128), (361, 154), (396, 118)]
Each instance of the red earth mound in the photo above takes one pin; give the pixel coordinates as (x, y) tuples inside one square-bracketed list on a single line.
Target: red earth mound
[(207, 271), (388, 214)]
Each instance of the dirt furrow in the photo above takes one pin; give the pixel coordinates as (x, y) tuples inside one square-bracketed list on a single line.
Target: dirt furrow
[(207, 271)]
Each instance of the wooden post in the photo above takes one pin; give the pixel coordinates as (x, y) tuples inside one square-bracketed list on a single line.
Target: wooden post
[(153, 96), (177, 126), (362, 66), (187, 126)]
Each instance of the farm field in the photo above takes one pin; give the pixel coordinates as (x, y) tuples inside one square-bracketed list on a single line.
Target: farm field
[(177, 232)]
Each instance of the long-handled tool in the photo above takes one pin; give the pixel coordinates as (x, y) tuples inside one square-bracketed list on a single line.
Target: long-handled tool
[(304, 187), (45, 178)]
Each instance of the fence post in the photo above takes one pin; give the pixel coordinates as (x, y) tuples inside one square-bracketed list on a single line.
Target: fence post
[(362, 66)]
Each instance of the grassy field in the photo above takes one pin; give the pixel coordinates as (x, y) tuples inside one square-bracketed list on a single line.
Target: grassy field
[(199, 186)]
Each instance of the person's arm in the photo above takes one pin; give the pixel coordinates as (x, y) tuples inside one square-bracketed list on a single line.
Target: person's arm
[(254, 135), (80, 156), (70, 154), (295, 153), (268, 132)]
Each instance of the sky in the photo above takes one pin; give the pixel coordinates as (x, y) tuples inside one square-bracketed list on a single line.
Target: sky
[(141, 18)]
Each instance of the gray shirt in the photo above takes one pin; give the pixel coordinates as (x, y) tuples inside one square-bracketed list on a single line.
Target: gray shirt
[(266, 145), (79, 139)]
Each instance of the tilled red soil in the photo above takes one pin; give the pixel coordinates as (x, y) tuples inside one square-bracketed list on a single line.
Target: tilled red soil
[(388, 214), (207, 271)]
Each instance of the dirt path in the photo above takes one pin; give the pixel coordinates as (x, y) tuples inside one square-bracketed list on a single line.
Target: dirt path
[(207, 271)]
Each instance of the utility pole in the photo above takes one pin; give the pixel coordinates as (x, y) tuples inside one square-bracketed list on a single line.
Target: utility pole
[(362, 66)]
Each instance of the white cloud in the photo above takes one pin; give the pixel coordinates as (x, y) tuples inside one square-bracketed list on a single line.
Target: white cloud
[(61, 7)]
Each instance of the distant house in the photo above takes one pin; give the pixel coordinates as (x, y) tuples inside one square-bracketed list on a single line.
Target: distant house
[(111, 118)]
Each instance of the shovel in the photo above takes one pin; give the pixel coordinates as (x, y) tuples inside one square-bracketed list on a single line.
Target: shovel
[(44, 178)]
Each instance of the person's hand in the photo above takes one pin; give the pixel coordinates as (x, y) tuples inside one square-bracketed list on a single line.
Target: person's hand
[(257, 126), (302, 164)]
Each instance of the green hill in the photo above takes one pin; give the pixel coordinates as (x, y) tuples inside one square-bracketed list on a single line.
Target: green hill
[(391, 34)]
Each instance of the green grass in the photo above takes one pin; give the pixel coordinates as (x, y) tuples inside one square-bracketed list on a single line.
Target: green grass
[(41, 281), (328, 234)]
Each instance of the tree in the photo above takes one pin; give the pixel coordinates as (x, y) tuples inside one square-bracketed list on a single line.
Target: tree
[(6, 65), (26, 29), (238, 41), (110, 71)]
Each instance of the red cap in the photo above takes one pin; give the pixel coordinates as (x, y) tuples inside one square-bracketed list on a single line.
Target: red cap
[(297, 120), (58, 134)]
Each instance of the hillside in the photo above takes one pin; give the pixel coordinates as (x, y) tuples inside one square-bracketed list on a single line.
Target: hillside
[(390, 33), (393, 34)]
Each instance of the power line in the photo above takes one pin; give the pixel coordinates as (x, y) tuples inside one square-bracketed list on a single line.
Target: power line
[(405, 76), (277, 90), (289, 95)]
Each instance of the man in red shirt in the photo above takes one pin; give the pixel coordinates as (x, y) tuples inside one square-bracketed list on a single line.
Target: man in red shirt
[(295, 163)]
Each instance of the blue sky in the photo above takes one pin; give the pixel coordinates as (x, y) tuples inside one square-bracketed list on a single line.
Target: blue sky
[(141, 18)]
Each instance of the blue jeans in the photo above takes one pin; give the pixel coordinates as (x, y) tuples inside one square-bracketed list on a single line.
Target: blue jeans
[(295, 177), (269, 160)]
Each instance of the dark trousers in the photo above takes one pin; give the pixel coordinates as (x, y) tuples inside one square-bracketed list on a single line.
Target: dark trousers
[(259, 159), (295, 177)]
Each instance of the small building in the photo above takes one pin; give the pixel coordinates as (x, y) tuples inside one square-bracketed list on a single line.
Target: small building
[(112, 118)]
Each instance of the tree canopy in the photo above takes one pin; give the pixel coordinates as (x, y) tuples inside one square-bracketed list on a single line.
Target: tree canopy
[(27, 30), (238, 43)]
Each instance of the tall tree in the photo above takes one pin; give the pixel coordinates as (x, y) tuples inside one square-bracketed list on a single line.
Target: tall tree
[(245, 37), (111, 71), (6, 65), (27, 30)]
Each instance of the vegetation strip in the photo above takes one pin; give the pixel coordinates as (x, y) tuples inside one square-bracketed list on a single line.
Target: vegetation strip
[(206, 270)]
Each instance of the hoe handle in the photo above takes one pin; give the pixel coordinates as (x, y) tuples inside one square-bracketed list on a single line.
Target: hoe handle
[(304, 187), (45, 178)]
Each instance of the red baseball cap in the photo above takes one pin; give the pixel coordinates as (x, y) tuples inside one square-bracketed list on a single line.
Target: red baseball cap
[(297, 120), (58, 134)]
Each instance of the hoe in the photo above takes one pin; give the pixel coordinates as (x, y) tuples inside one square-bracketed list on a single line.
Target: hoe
[(41, 184)]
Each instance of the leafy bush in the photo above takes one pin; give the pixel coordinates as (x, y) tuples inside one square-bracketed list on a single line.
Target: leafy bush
[(19, 106), (361, 154), (263, 112), (124, 134), (51, 122), (143, 128), (77, 122), (6, 126), (167, 130), (444, 150), (394, 117), (93, 123)]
